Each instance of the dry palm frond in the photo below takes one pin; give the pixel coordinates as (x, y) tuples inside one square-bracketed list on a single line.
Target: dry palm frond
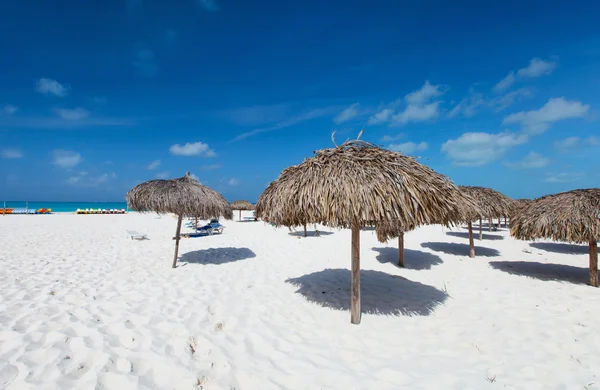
[(572, 216), (491, 203), (242, 205), (182, 196), (358, 184), (518, 205)]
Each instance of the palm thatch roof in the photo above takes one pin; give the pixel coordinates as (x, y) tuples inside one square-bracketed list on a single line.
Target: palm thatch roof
[(491, 203), (241, 205), (183, 196), (572, 216), (358, 184), (517, 205)]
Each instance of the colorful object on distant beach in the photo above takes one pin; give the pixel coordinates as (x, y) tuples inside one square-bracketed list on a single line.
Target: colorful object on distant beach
[(100, 211), (25, 211)]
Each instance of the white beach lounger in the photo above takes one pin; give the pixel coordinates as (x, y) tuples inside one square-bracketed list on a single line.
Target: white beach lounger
[(134, 235)]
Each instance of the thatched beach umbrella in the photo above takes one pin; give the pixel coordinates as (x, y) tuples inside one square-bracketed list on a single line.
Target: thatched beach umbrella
[(241, 205), (491, 203), (572, 216), (517, 205), (184, 196), (354, 185)]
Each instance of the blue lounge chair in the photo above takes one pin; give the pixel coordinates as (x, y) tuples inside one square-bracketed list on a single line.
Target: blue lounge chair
[(212, 227)]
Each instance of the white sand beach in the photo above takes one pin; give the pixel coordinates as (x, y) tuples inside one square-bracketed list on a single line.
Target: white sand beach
[(84, 307)]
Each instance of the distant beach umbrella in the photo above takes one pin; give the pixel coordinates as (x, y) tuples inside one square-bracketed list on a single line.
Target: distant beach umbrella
[(184, 196), (491, 204), (572, 216), (354, 185), (241, 205)]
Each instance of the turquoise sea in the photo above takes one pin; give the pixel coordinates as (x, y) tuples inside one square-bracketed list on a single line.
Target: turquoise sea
[(61, 207)]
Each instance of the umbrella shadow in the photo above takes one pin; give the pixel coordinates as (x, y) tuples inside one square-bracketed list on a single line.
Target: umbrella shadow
[(565, 249), (466, 235), (544, 271), (217, 256), (457, 249), (413, 259), (381, 293), (485, 227), (309, 233)]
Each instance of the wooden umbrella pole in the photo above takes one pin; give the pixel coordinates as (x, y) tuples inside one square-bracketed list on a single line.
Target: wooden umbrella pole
[(177, 237), (401, 249), (594, 263), (489, 224), (305, 234), (480, 229), (240, 214), (355, 283), (505, 224), (471, 243)]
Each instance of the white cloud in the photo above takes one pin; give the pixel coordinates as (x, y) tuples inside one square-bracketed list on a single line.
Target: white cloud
[(536, 68), (51, 87), (414, 113), (192, 149), (349, 113), (9, 109), (392, 138), (66, 159), (209, 5), (476, 149), (408, 148), (424, 94), (530, 161), (468, 106), (381, 117), (564, 177), (74, 114), (195, 177), (233, 181), (154, 164), (500, 103), (163, 175), (570, 144), (556, 109), (10, 153), (82, 179)]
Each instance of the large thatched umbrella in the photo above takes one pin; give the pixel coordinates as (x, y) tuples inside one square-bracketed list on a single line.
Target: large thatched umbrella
[(241, 205), (354, 185), (572, 216), (517, 205), (491, 203), (184, 196)]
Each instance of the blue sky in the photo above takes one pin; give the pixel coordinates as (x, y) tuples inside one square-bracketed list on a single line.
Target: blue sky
[(98, 96)]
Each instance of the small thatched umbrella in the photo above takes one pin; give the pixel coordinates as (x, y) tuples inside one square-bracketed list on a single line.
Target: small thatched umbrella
[(241, 205), (354, 185), (572, 216), (183, 196), (491, 203)]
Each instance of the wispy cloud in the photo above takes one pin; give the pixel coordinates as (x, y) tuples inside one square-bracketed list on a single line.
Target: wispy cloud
[(83, 179), (392, 138), (536, 68), (163, 175), (145, 63), (66, 159), (154, 164), (409, 148), (233, 182), (51, 87), (11, 153), (424, 94), (74, 114), (532, 160), (380, 117), (500, 103), (9, 109), (478, 148), (572, 144), (415, 113), (348, 114), (564, 177), (556, 109), (211, 167), (469, 105), (195, 177), (192, 149), (209, 5), (295, 120)]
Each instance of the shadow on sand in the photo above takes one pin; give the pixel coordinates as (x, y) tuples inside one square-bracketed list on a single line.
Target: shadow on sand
[(309, 233), (557, 247), (486, 228), (413, 259), (544, 271), (465, 235), (381, 293), (456, 249), (217, 256)]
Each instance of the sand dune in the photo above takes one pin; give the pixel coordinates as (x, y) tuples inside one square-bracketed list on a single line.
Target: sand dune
[(83, 307)]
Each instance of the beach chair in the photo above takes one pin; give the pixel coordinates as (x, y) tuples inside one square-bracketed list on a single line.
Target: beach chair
[(135, 235), (212, 227)]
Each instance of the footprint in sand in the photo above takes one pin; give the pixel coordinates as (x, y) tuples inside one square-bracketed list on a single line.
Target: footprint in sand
[(8, 373)]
